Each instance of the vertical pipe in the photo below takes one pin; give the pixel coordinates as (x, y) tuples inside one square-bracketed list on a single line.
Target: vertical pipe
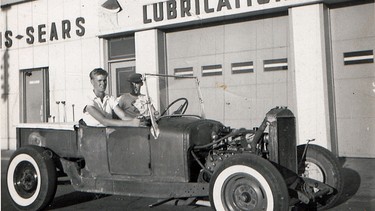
[(64, 106), (73, 112), (58, 111)]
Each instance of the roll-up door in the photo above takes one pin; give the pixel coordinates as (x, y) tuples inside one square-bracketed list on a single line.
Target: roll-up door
[(353, 46), (242, 67)]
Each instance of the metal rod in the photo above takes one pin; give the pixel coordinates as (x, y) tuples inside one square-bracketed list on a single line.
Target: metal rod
[(63, 102), (154, 125), (58, 111), (73, 112), (203, 114), (304, 152), (199, 163), (258, 134), (233, 133), (169, 76)]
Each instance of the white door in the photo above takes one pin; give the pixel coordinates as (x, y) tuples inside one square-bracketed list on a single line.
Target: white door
[(35, 97), (119, 73), (353, 46)]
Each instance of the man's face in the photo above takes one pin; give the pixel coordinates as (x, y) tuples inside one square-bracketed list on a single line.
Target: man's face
[(99, 83), (137, 88)]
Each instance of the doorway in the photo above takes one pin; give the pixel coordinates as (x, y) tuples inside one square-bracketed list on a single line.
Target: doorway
[(35, 95), (354, 79), (119, 74)]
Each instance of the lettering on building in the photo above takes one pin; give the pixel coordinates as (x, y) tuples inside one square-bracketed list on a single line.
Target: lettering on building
[(43, 33), (172, 9)]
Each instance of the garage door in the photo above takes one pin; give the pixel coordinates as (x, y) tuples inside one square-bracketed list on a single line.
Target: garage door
[(242, 67), (353, 35)]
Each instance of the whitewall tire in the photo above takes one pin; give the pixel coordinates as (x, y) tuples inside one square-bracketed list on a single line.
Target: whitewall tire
[(248, 182), (31, 178)]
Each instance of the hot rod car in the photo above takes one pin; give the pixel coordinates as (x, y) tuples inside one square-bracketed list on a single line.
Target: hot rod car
[(177, 155)]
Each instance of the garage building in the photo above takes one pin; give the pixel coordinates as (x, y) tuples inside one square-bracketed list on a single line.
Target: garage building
[(315, 57)]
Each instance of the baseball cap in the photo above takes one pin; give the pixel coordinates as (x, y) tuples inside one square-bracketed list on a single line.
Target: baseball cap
[(135, 78)]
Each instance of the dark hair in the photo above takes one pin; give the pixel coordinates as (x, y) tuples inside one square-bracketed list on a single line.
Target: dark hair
[(98, 71)]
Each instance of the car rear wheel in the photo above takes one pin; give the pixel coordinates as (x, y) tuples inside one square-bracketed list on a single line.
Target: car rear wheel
[(248, 182), (31, 178), (322, 165)]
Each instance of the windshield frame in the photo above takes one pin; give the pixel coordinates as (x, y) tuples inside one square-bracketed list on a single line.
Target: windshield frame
[(154, 125)]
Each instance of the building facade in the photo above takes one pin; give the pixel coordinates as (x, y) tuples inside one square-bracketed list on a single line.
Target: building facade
[(316, 57)]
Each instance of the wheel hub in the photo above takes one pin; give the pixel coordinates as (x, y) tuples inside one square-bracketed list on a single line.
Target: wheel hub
[(313, 171), (246, 194), (245, 197), (25, 179), (28, 180)]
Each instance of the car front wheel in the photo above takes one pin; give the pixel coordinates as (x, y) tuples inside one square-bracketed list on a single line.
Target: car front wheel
[(248, 182), (31, 178), (322, 165)]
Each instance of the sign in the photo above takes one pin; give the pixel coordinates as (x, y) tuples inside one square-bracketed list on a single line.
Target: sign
[(172, 9), (42, 33)]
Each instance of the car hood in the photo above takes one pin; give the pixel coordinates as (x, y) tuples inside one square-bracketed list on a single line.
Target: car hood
[(195, 131)]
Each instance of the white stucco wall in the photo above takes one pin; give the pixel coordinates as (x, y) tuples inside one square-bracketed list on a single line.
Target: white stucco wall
[(69, 60)]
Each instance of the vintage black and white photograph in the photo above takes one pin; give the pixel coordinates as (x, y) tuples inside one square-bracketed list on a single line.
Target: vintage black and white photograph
[(161, 105)]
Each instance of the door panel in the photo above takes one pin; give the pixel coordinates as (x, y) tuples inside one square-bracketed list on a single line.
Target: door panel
[(230, 61), (129, 154), (119, 73), (35, 96), (353, 46)]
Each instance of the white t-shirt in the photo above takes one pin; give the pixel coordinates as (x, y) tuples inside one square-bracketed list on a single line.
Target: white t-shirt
[(106, 108), (133, 106)]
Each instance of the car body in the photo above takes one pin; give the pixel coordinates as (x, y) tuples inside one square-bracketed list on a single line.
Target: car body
[(189, 157)]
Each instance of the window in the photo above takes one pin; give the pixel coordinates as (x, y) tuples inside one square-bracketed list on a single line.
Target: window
[(121, 48), (359, 57), (275, 64), (242, 67), (212, 70), (186, 71)]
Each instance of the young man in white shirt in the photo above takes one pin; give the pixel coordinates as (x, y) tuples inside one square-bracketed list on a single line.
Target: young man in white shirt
[(100, 106)]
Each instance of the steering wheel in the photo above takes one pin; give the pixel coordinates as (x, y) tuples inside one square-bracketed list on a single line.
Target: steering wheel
[(181, 109)]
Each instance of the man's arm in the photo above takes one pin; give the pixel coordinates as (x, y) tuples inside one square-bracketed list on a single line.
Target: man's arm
[(121, 113), (111, 122)]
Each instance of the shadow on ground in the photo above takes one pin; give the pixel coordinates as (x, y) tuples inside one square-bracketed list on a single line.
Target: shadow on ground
[(73, 198), (352, 182)]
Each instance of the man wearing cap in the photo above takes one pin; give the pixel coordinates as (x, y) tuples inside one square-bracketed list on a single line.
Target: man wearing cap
[(134, 103)]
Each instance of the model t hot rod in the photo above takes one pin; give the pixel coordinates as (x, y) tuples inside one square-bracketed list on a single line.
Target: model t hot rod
[(177, 155)]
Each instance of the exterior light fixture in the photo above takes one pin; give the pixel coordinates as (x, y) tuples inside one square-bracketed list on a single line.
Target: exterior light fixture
[(112, 5)]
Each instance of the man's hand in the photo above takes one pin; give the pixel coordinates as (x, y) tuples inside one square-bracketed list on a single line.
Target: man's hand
[(135, 122)]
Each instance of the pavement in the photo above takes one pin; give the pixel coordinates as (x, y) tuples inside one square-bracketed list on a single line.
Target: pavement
[(359, 191)]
